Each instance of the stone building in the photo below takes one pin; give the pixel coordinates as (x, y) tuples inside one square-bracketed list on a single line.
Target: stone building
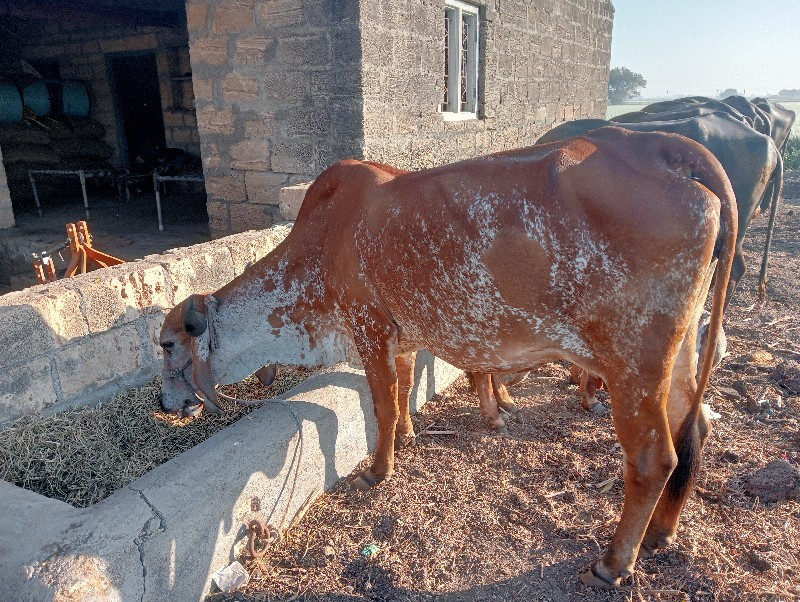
[(277, 90)]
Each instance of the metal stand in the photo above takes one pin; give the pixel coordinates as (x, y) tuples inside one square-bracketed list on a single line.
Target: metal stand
[(157, 178), (81, 173)]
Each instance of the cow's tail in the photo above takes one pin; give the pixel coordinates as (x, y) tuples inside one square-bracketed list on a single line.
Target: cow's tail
[(777, 186), (687, 442)]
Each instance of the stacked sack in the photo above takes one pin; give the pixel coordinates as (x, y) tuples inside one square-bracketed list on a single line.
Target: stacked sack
[(50, 143)]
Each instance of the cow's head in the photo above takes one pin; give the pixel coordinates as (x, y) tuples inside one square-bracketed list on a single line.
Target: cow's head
[(187, 359)]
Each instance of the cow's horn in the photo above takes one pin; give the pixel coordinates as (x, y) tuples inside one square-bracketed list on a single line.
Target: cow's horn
[(194, 316)]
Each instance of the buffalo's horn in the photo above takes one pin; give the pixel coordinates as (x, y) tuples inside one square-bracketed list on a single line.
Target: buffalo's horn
[(194, 316)]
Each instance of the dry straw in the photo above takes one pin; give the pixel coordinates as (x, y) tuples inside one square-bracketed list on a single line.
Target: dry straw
[(85, 454)]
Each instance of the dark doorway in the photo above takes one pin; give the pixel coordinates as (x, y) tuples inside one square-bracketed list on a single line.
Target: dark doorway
[(138, 105)]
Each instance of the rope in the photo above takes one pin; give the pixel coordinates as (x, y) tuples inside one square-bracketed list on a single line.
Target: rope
[(298, 449)]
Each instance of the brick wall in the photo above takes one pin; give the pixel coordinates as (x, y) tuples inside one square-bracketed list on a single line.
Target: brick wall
[(544, 62), (79, 340), (278, 92), (81, 47)]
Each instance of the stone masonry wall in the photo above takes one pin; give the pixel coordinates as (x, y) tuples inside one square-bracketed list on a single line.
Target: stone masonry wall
[(543, 62), (278, 90), (6, 212), (81, 48), (79, 340)]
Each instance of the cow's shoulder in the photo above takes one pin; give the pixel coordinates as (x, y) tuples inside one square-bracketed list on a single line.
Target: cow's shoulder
[(355, 177)]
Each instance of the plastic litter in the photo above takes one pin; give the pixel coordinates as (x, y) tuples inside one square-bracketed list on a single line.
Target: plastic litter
[(231, 578), (370, 551)]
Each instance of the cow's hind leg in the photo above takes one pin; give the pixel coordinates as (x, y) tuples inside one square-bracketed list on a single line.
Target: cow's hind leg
[(483, 385), (641, 424), (689, 433), (404, 433), (501, 395)]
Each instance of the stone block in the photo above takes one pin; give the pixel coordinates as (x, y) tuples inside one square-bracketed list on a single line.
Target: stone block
[(203, 90), (305, 120), (246, 216), (98, 361), (240, 88), (6, 216), (209, 51), (219, 221), (304, 50), (263, 187), (26, 388), (293, 157), (252, 51), (233, 16), (279, 13), (119, 295), (264, 125), (291, 198), (196, 269), (37, 320), (250, 155), (228, 188), (196, 17)]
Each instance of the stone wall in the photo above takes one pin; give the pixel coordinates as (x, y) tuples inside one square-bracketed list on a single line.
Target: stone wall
[(78, 340), (6, 212), (81, 48), (278, 91), (543, 62), (286, 87)]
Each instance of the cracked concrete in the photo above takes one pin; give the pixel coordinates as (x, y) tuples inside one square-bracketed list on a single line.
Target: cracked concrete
[(163, 536)]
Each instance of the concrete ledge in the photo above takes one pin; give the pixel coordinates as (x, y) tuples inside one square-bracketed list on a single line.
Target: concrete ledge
[(163, 536), (291, 198), (78, 340)]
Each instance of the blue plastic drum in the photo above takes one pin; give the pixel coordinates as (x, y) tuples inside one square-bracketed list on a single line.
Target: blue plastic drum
[(37, 97), (75, 98), (10, 102)]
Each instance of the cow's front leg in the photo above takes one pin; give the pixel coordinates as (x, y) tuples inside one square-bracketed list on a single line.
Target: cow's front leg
[(643, 432), (404, 434), (376, 340)]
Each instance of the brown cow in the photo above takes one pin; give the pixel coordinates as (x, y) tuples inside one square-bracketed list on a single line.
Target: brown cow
[(493, 264)]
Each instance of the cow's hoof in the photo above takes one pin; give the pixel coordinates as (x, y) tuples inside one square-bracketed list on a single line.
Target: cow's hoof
[(598, 409), (597, 575), (404, 440), (508, 407), (366, 480), (496, 424), (653, 543)]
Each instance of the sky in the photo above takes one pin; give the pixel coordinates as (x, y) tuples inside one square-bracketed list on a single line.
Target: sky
[(701, 47)]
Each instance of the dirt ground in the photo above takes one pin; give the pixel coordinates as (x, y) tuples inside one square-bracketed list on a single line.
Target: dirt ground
[(476, 515)]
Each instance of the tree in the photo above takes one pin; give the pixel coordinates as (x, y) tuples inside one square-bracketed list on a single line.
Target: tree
[(624, 84)]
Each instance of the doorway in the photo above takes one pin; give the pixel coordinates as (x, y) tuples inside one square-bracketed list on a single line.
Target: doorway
[(138, 107)]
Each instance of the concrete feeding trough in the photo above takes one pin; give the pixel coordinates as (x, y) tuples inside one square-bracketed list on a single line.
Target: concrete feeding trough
[(163, 536)]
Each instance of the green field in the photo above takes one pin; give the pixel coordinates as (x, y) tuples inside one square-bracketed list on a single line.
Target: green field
[(614, 110)]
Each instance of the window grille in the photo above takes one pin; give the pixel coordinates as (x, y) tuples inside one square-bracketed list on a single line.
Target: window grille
[(460, 68)]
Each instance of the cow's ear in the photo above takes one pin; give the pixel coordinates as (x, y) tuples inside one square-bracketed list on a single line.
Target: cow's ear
[(193, 311)]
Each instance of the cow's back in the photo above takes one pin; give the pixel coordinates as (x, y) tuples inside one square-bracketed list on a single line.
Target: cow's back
[(544, 252)]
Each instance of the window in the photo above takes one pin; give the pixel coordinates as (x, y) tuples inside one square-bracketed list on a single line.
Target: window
[(460, 72)]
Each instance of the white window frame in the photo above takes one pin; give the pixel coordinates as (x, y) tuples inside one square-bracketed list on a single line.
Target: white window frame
[(462, 12)]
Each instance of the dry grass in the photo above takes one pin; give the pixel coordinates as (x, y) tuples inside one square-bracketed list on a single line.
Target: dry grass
[(83, 455)]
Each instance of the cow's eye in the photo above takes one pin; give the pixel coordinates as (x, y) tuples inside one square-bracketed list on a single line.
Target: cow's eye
[(167, 347)]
